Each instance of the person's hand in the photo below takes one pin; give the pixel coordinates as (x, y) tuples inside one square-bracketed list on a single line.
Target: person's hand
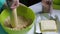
[(15, 4)]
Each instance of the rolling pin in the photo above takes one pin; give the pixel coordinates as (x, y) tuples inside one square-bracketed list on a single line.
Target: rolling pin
[(13, 17), (13, 14)]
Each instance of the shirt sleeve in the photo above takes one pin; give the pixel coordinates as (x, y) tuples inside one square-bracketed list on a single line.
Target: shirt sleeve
[(2, 3)]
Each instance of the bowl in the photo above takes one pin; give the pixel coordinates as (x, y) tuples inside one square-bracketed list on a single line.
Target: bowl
[(57, 7), (22, 10), (57, 2)]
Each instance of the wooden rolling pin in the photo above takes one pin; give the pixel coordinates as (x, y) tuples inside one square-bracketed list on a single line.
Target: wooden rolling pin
[(13, 13), (13, 17)]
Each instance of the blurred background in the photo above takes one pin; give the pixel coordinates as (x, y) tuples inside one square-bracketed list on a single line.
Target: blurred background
[(29, 2)]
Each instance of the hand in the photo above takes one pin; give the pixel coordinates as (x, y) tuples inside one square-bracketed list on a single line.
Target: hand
[(15, 4)]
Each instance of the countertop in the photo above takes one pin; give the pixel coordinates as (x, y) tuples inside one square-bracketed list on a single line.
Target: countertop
[(38, 8)]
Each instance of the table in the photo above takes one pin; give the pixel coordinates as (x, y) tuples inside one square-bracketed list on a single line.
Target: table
[(38, 8)]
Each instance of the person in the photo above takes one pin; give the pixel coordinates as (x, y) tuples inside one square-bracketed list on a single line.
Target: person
[(4, 4)]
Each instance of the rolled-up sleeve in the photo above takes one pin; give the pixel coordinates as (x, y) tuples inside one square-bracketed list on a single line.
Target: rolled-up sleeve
[(2, 3)]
